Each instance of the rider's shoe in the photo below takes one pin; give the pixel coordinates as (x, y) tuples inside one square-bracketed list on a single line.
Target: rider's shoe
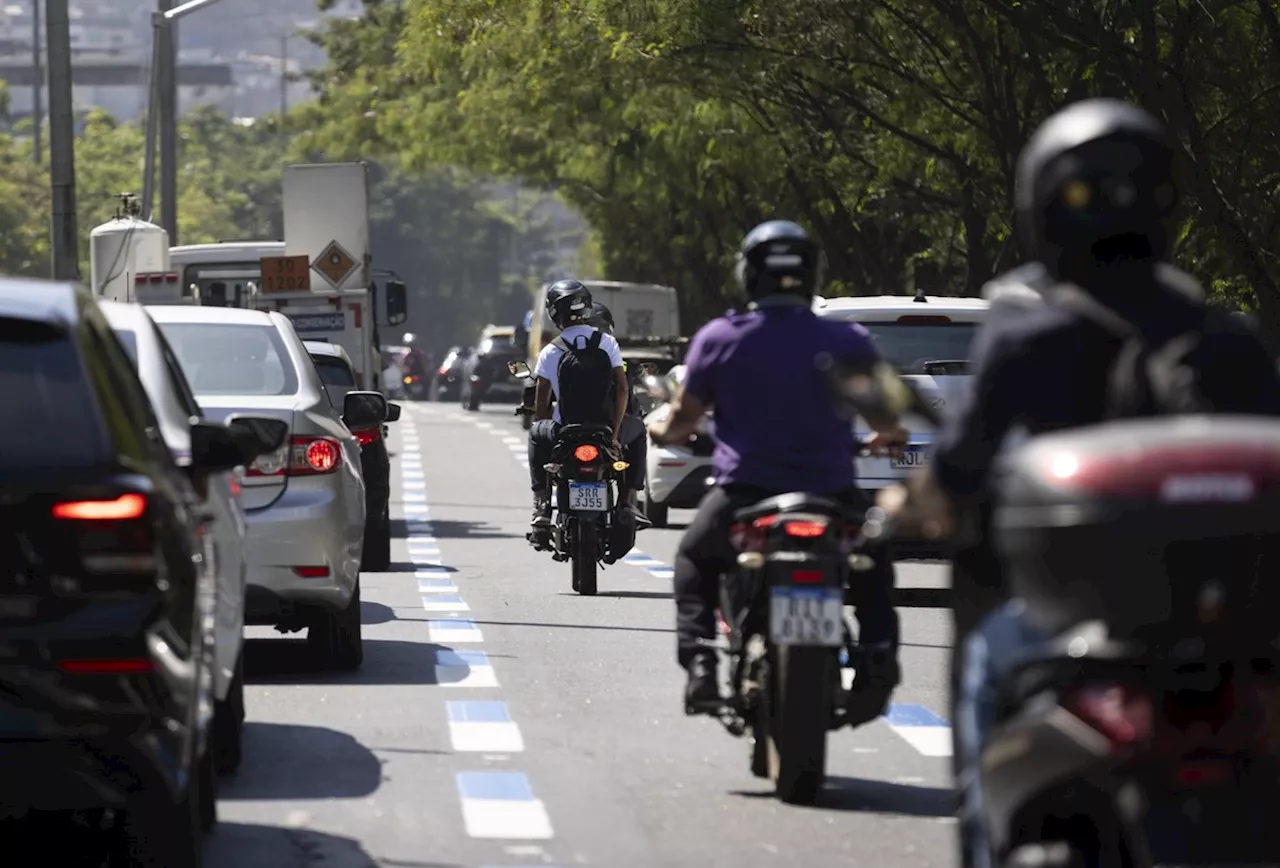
[(541, 510), (702, 693), (873, 686), (642, 520)]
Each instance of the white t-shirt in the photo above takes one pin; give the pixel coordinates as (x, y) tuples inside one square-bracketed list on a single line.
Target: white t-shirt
[(549, 359)]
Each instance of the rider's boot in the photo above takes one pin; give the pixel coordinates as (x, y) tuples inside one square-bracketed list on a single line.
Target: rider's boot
[(702, 693), (642, 520), (878, 673), (540, 527)]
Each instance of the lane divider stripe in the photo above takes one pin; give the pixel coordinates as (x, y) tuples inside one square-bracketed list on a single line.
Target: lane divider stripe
[(501, 805)]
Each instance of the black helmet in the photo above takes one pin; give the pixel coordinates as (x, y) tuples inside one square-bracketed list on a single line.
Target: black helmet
[(1095, 189), (568, 303), (600, 317), (779, 258)]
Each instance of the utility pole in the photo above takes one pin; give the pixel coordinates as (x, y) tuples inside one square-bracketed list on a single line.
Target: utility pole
[(62, 130), (167, 91), (37, 82), (284, 77)]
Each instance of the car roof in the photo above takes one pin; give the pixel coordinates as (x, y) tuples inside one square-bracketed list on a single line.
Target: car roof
[(324, 348), (874, 307), (122, 314), (55, 303), (214, 315)]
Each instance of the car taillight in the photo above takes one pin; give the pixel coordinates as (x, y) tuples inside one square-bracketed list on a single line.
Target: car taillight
[(367, 437), (123, 508), (301, 456), (586, 452), (1123, 714), (107, 666), (807, 577)]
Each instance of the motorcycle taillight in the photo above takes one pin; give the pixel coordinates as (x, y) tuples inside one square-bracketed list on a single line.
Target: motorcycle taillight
[(806, 528), (1121, 713)]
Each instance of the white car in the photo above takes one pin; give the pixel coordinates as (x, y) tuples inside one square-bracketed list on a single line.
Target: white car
[(175, 406), (676, 477), (927, 339), (305, 503)]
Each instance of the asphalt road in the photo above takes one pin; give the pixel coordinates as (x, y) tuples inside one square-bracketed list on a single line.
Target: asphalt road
[(501, 720)]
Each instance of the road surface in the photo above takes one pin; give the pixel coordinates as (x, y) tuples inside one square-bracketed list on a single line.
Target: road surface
[(501, 720)]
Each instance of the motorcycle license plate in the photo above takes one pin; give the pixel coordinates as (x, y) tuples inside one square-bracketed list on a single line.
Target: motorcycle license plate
[(587, 496), (806, 616)]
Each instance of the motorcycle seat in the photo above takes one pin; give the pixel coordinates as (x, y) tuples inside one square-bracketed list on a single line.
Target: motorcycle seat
[(793, 502), (582, 433)]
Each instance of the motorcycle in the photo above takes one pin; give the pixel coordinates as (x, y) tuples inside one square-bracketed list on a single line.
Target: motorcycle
[(798, 557), (585, 472), (525, 410), (1131, 719)]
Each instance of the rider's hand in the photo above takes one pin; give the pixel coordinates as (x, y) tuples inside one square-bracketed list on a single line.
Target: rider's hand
[(891, 442), (919, 506)]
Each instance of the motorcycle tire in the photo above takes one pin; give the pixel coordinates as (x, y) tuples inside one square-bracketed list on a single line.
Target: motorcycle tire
[(586, 551), (800, 711)]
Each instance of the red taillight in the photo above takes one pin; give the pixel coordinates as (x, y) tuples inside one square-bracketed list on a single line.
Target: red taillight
[(108, 666), (367, 437), (312, 572), (301, 456), (1204, 773), (586, 452), (156, 277), (1123, 714), (123, 508), (807, 577), (805, 529)]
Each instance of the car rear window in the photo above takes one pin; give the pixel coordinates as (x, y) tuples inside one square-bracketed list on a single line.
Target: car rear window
[(908, 345), (128, 340), (45, 392), (232, 359), (334, 372)]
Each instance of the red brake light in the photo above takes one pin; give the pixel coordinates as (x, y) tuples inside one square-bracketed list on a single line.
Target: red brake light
[(123, 508), (807, 577), (586, 452), (120, 666), (322, 455), (312, 572), (301, 456), (1123, 714), (367, 437), (806, 529)]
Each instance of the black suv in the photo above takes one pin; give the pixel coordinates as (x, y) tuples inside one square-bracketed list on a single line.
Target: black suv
[(375, 462), (106, 641)]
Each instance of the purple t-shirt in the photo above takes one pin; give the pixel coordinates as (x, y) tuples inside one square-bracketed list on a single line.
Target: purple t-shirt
[(776, 426)]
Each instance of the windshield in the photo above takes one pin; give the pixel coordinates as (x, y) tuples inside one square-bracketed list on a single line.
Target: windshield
[(42, 384), (907, 346), (226, 359)]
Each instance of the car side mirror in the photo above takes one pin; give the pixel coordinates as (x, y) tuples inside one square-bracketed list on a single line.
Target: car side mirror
[(257, 436), (393, 413), (397, 302), (519, 370), (214, 448), (364, 410)]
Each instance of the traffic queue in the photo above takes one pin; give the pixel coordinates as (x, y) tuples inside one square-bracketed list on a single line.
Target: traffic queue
[(174, 473)]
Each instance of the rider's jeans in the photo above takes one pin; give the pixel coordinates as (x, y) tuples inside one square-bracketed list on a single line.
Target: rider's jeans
[(542, 439), (705, 554)]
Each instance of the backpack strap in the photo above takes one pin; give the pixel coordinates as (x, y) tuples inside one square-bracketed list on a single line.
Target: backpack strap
[(561, 343), (593, 342)]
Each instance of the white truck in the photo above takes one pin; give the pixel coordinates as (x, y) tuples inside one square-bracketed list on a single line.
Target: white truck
[(129, 260), (640, 311), (320, 276)]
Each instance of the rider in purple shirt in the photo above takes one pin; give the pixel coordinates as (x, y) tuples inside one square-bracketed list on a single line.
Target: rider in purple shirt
[(777, 431)]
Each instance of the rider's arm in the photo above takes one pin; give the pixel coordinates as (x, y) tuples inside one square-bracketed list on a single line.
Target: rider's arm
[(687, 409), (542, 399), (693, 399), (621, 393)]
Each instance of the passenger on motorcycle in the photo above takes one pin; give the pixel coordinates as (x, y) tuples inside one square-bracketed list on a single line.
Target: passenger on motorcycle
[(777, 431), (632, 435), (582, 371), (1095, 196)]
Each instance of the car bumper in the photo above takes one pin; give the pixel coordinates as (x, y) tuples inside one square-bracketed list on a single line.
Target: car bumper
[(307, 527), (676, 477)]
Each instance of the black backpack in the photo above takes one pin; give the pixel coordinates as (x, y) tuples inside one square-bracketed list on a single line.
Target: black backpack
[(1146, 379), (585, 383)]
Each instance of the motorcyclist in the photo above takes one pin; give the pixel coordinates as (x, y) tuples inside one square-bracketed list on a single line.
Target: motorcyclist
[(568, 304), (1095, 196), (777, 431), (632, 435)]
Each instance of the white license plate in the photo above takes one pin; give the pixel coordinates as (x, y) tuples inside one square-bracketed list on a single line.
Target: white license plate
[(806, 616), (587, 496), (911, 458)]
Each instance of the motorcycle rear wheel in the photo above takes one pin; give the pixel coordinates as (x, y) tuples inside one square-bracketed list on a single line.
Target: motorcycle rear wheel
[(800, 710), (586, 549)]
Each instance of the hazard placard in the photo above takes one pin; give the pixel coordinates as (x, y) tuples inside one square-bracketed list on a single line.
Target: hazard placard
[(285, 273), (334, 263)]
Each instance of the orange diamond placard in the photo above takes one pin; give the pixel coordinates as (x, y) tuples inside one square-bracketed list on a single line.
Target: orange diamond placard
[(334, 263)]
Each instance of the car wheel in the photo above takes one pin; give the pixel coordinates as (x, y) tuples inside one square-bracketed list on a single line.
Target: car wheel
[(334, 638), (228, 724), (158, 831), (654, 511), (376, 557)]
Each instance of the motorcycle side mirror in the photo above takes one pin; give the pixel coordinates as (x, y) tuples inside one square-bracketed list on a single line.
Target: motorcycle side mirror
[(647, 369), (397, 302), (519, 370), (656, 387)]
